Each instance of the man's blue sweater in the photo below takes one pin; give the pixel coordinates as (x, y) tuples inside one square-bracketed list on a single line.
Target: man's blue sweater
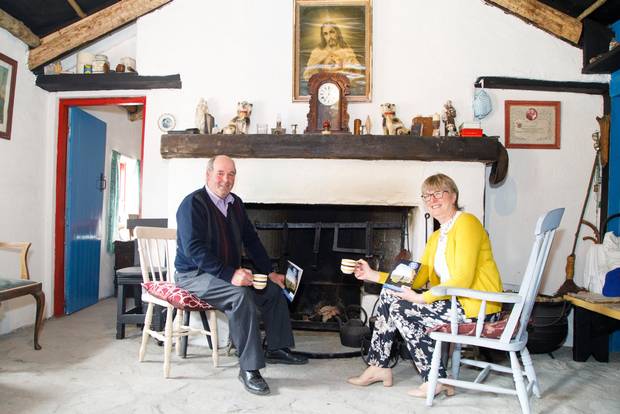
[(211, 243)]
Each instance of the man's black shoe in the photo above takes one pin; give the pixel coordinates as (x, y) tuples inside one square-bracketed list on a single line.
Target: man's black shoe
[(254, 382), (285, 356)]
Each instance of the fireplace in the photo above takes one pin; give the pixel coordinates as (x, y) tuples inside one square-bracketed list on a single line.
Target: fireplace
[(316, 238)]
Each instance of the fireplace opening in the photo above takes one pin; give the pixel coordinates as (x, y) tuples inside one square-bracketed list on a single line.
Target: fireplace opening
[(316, 238)]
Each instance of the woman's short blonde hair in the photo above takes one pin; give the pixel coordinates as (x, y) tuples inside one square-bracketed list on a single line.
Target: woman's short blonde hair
[(442, 182)]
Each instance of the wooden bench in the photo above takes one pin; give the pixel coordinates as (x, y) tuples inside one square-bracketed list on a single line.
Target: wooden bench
[(595, 317), (12, 288)]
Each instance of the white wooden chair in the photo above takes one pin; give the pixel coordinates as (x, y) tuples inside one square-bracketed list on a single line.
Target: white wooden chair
[(155, 246), (512, 338)]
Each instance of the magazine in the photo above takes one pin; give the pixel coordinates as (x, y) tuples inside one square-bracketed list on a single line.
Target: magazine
[(402, 275), (292, 279)]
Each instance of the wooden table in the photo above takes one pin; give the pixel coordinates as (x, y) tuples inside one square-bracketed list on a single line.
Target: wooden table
[(13, 288), (592, 324)]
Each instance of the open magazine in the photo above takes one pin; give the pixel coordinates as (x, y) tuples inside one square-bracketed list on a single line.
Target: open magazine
[(402, 275), (292, 279)]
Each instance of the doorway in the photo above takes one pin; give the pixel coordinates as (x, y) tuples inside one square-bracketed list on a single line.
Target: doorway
[(61, 184)]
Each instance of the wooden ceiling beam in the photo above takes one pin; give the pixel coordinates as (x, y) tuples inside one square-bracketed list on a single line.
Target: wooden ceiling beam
[(76, 7), (544, 17), (90, 28), (591, 9), (18, 29)]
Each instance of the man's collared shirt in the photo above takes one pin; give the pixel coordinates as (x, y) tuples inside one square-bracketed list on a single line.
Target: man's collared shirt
[(220, 203)]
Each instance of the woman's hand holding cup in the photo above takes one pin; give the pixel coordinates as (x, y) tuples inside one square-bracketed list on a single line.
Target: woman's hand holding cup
[(364, 272)]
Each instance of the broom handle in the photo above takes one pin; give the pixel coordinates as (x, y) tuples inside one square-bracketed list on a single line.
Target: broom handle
[(585, 203)]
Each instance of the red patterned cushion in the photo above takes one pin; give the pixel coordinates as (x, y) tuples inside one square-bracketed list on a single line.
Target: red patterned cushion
[(177, 297), (492, 330)]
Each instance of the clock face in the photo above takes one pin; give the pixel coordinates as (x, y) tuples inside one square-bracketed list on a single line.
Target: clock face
[(328, 94)]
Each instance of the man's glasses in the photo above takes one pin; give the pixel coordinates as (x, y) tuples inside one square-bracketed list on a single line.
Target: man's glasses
[(438, 195)]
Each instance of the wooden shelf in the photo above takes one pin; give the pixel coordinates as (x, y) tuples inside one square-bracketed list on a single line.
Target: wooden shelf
[(607, 63), (106, 81), (341, 146)]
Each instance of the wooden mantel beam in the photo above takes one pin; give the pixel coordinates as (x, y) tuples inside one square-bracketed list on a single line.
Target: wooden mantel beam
[(90, 28), (544, 17), (18, 29)]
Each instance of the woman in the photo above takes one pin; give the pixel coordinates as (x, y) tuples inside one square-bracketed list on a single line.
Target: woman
[(457, 255)]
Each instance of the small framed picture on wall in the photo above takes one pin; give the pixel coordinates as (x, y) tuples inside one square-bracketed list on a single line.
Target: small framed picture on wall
[(532, 124), (8, 73)]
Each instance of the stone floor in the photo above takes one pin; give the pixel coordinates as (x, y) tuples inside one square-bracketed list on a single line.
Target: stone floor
[(83, 369)]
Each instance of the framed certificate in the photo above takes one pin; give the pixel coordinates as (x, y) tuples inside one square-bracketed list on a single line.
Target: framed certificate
[(532, 124)]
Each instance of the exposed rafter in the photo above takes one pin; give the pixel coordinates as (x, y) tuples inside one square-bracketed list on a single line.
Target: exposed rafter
[(544, 17), (77, 8), (90, 28), (591, 9), (18, 29)]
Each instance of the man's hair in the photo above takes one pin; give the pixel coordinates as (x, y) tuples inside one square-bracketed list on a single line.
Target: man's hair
[(339, 39), (210, 163), (442, 182)]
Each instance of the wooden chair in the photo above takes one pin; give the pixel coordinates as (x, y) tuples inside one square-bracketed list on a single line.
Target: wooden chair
[(12, 288), (155, 246), (508, 335)]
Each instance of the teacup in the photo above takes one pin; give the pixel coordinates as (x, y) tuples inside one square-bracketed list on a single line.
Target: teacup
[(259, 281), (347, 266)]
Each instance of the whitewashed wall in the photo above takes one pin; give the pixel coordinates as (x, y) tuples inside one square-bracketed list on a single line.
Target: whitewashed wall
[(24, 186), (424, 53)]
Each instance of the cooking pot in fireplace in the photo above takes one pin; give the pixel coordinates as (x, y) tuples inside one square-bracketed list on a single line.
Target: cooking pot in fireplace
[(353, 329)]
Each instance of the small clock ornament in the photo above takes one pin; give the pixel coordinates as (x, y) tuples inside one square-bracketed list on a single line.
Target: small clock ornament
[(328, 102)]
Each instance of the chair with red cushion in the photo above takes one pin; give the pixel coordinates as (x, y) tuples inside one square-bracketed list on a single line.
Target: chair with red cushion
[(509, 334), (155, 246)]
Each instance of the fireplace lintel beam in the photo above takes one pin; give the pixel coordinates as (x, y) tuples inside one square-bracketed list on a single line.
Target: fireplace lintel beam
[(340, 146)]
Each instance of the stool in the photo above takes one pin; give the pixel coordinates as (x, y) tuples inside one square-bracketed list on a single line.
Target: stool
[(128, 281)]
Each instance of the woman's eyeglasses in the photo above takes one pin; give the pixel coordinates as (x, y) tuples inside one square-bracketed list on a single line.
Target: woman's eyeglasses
[(438, 195)]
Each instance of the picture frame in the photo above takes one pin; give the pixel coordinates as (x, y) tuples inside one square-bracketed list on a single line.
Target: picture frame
[(8, 75), (333, 35), (532, 124)]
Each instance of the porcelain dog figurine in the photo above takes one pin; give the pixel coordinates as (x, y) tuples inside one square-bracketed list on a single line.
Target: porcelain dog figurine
[(391, 124), (241, 123)]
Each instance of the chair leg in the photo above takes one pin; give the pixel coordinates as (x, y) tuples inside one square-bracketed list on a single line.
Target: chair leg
[(434, 374), (456, 361), (145, 331), (178, 329), (214, 341), (529, 371), (205, 325), (517, 374), (168, 341), (120, 310), (186, 317)]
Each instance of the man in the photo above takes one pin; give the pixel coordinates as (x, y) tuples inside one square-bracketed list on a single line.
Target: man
[(333, 54), (212, 228)]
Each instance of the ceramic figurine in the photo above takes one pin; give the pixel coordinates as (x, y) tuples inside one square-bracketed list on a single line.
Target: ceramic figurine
[(204, 120), (391, 124), (368, 125), (449, 118), (241, 123)]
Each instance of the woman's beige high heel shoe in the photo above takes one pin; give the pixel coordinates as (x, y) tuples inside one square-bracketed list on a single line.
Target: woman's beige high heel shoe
[(420, 392), (371, 375)]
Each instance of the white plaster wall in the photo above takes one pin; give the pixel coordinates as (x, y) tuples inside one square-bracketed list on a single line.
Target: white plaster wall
[(23, 189), (424, 53), (124, 136)]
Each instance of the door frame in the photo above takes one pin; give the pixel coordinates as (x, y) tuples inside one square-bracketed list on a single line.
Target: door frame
[(61, 183)]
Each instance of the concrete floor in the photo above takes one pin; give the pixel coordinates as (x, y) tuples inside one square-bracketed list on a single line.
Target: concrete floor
[(83, 369)]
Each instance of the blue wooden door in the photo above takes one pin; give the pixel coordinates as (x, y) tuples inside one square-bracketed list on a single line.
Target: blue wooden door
[(83, 220)]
